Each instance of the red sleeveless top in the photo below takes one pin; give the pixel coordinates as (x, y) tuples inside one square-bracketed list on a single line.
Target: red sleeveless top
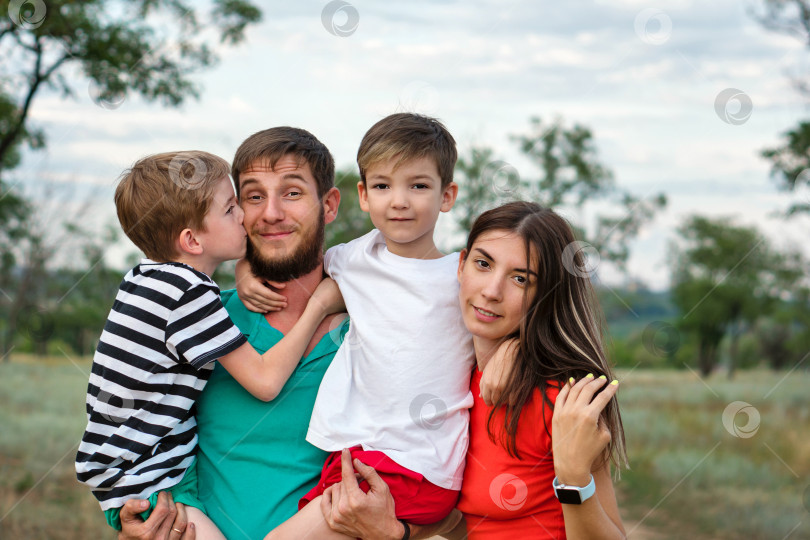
[(503, 497)]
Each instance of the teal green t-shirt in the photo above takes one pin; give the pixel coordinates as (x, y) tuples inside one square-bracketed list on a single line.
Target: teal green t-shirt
[(254, 463)]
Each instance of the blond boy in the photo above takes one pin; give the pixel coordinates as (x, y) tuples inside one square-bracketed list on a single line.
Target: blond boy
[(165, 330)]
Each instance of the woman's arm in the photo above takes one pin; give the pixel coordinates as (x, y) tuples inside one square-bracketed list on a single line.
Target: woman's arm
[(579, 441), (497, 371)]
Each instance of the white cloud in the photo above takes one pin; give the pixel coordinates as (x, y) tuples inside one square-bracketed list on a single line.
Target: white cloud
[(484, 67)]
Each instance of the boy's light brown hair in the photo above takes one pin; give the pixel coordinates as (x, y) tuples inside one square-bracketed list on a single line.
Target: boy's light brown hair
[(165, 193), (270, 145), (407, 136)]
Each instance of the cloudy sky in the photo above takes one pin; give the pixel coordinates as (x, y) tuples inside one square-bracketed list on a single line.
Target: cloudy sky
[(644, 79)]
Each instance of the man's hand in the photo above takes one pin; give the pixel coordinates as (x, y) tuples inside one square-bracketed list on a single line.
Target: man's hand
[(257, 294), (167, 521), (349, 511)]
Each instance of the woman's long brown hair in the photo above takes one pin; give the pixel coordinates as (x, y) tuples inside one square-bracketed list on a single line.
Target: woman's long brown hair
[(560, 335)]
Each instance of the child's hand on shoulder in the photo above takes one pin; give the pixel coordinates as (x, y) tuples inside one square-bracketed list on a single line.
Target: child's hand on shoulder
[(497, 372), (327, 297), (256, 293)]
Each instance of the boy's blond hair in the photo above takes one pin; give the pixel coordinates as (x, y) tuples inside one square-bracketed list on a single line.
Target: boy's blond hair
[(165, 193), (407, 136)]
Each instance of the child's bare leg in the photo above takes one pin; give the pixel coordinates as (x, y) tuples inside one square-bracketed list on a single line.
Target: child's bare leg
[(206, 530), (308, 523)]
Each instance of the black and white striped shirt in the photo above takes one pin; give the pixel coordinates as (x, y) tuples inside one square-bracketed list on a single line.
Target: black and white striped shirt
[(155, 355)]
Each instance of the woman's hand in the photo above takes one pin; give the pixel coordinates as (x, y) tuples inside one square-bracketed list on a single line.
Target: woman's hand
[(578, 436), (327, 297), (497, 371), (257, 294)]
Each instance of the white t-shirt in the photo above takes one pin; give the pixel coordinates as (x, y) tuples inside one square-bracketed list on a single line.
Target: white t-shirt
[(400, 382)]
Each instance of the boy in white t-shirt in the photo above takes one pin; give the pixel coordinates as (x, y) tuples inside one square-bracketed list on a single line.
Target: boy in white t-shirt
[(397, 392)]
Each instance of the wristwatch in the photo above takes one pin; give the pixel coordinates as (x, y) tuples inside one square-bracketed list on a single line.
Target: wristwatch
[(407, 534), (573, 494)]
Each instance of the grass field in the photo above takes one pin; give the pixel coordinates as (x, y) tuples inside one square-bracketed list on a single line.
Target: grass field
[(691, 477)]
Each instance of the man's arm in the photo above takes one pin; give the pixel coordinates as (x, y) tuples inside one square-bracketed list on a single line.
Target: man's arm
[(371, 515)]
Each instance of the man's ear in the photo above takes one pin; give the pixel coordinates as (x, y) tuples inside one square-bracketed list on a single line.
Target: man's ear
[(188, 243), (462, 256), (449, 196), (362, 195), (331, 202)]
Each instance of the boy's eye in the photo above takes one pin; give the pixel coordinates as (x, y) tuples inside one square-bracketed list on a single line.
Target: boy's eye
[(481, 263), (379, 186), (230, 209), (420, 186)]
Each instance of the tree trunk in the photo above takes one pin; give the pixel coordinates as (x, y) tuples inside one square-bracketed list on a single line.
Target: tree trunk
[(736, 331), (704, 358)]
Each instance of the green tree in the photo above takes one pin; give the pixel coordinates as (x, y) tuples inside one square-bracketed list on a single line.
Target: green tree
[(569, 174), (83, 295), (724, 277), (790, 164), (351, 221), (474, 174), (149, 47)]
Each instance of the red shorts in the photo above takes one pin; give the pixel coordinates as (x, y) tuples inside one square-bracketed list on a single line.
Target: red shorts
[(416, 500)]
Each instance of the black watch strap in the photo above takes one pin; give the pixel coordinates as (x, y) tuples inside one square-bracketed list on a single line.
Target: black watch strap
[(407, 529)]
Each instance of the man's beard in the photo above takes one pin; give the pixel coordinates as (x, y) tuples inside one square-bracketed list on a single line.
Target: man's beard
[(306, 257)]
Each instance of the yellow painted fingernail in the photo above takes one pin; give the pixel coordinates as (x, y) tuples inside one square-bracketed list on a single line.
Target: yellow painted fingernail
[(590, 376), (571, 380), (602, 377), (614, 382)]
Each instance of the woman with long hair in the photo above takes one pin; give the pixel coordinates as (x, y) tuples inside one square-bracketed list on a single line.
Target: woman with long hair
[(539, 460)]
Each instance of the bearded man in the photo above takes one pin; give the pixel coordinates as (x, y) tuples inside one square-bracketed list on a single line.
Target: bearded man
[(254, 463)]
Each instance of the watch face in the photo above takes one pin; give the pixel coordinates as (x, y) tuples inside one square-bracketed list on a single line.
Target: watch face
[(568, 496)]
